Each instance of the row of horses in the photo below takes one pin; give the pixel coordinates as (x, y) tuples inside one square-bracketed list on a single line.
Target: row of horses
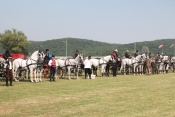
[(136, 65), (143, 64)]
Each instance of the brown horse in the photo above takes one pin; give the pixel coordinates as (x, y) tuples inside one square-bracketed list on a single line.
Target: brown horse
[(147, 66), (154, 65)]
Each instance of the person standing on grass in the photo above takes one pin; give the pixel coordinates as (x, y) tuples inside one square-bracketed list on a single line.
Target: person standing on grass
[(53, 64), (114, 55), (9, 73), (87, 67)]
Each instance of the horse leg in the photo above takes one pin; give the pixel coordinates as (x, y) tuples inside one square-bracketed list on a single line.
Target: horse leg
[(35, 73), (41, 71), (102, 70), (31, 75), (124, 69), (134, 68), (16, 74), (77, 71), (68, 71), (56, 73)]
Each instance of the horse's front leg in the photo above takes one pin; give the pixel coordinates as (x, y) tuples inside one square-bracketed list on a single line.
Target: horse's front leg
[(77, 71), (41, 71), (69, 72), (140, 69), (134, 69), (102, 70), (31, 75), (35, 73), (56, 74), (124, 69)]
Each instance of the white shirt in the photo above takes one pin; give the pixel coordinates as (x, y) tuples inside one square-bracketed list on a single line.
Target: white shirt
[(50, 63), (10, 65), (87, 64)]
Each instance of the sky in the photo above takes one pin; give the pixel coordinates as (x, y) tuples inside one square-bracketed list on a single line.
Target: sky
[(111, 21)]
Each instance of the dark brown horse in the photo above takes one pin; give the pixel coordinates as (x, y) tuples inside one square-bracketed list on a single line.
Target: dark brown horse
[(147, 66), (154, 65)]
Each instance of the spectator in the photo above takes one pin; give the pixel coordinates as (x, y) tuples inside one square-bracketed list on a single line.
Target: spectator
[(9, 73), (87, 67), (53, 64)]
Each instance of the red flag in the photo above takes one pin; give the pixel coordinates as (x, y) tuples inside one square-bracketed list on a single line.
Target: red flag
[(161, 46)]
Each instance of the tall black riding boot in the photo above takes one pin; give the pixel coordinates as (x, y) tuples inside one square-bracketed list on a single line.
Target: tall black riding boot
[(89, 76), (50, 79), (7, 82), (11, 82)]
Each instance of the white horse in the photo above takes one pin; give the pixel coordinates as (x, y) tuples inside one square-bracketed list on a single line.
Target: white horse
[(32, 63), (101, 63), (134, 63), (67, 64), (172, 63), (2, 68), (164, 64)]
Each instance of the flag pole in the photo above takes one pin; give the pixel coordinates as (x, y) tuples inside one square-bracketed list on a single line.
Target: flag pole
[(174, 50)]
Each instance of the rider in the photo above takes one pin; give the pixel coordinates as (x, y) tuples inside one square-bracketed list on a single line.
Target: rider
[(127, 55), (46, 58), (136, 54), (158, 54), (149, 55), (76, 54), (6, 54)]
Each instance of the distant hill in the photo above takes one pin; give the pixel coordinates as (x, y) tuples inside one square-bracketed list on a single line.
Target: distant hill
[(96, 48)]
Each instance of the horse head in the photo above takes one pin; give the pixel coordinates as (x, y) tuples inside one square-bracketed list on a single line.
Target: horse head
[(41, 56), (38, 56), (79, 58)]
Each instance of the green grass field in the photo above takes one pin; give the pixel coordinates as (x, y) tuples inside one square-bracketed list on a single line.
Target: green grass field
[(121, 96)]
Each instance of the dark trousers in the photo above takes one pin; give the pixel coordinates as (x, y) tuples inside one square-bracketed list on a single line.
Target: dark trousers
[(87, 71), (114, 69), (52, 73), (9, 76)]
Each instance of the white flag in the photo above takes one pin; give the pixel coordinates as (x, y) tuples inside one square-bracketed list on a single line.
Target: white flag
[(171, 45)]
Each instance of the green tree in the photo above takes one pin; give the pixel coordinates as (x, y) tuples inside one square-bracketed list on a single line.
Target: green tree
[(15, 41), (145, 49)]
